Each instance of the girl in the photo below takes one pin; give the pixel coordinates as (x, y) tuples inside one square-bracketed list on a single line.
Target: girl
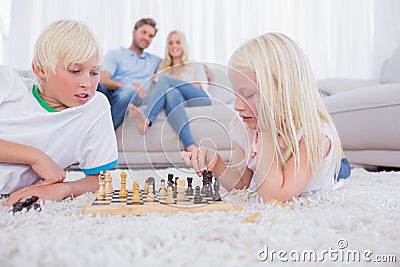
[(295, 147), (180, 84)]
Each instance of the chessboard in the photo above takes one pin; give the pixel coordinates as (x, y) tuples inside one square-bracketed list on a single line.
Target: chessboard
[(177, 196)]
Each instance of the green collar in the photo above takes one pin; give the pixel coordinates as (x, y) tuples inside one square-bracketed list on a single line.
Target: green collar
[(41, 101)]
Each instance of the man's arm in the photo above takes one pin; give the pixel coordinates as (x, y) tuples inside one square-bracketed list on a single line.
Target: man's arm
[(110, 84)]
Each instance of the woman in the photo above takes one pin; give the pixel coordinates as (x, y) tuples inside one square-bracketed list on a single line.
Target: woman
[(178, 84)]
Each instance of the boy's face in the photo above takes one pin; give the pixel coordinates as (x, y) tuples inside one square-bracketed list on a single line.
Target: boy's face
[(244, 85), (73, 86)]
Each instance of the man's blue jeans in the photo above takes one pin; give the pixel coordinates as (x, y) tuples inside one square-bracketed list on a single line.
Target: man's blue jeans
[(119, 101), (173, 95)]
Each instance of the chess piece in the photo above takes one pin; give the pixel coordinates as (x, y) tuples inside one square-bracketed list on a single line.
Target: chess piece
[(102, 193), (209, 179), (169, 199), (150, 194), (198, 199), (152, 181), (170, 180), (146, 185), (135, 193), (180, 196), (175, 192), (205, 182), (108, 188), (189, 190), (123, 193), (217, 186), (163, 190)]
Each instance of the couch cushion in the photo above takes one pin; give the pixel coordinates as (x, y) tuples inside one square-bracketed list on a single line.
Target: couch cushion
[(391, 69), (220, 88), (367, 118), (337, 85)]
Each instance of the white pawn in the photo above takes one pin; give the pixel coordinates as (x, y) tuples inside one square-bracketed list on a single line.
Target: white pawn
[(180, 190), (170, 198), (109, 189), (101, 193), (150, 195)]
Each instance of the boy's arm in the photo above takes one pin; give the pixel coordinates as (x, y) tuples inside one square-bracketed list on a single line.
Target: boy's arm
[(40, 162), (56, 192)]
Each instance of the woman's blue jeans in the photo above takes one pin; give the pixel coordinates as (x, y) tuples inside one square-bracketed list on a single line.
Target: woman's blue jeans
[(174, 95)]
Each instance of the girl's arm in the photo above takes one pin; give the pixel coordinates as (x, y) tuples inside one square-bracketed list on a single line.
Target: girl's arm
[(275, 181)]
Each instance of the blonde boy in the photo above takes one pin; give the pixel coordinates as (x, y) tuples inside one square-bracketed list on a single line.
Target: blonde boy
[(61, 120)]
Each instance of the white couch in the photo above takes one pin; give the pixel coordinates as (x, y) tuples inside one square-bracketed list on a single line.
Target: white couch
[(367, 115), (161, 146)]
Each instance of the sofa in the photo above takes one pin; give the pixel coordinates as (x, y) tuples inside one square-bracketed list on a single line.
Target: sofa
[(161, 147), (367, 115)]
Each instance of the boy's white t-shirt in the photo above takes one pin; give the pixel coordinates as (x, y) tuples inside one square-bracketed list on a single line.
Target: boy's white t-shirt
[(326, 180), (82, 134)]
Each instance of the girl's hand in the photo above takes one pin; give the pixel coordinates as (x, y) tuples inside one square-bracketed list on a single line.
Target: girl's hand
[(200, 158), (48, 170)]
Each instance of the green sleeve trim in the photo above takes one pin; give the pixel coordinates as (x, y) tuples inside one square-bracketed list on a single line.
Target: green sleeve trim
[(41, 101)]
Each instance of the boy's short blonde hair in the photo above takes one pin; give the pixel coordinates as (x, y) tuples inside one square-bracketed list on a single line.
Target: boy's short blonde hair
[(67, 42)]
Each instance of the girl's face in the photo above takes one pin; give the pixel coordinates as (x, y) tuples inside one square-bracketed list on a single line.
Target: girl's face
[(174, 46), (244, 85), (73, 86)]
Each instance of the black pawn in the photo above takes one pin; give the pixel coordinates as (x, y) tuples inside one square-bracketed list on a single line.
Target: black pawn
[(175, 192), (210, 178), (217, 196), (198, 199), (205, 183), (189, 190), (171, 180)]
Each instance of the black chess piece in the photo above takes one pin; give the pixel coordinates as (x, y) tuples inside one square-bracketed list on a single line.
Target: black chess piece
[(27, 204), (175, 192), (171, 180), (217, 186), (189, 190), (210, 178), (198, 199), (205, 182)]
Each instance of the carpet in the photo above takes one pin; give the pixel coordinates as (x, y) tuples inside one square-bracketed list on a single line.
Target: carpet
[(356, 224)]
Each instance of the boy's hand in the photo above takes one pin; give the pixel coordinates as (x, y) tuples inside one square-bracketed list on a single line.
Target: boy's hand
[(48, 170), (54, 192), (200, 158)]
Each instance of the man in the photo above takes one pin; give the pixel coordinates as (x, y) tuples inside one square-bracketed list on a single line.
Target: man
[(127, 71)]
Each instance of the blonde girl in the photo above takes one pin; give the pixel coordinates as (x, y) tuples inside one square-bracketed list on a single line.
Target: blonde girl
[(293, 144)]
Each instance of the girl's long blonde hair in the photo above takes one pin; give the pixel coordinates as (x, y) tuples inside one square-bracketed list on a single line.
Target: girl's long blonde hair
[(288, 100), (166, 64)]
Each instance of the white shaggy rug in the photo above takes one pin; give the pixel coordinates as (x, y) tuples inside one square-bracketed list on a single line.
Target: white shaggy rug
[(361, 218)]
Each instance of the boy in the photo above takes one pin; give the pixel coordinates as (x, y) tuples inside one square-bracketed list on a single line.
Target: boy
[(61, 120)]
